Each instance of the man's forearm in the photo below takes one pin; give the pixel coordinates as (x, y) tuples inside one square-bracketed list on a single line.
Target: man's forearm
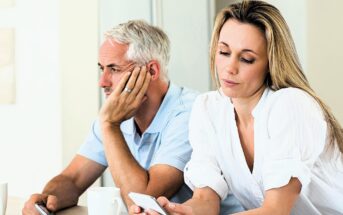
[(64, 189), (127, 174)]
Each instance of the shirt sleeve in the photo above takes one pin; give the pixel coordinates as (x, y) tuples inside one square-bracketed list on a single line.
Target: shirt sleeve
[(175, 149), (297, 136), (203, 170), (93, 148)]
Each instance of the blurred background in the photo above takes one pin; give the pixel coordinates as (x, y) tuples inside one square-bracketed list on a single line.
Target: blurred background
[(48, 69)]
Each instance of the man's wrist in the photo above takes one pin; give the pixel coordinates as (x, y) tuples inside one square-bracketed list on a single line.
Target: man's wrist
[(110, 126)]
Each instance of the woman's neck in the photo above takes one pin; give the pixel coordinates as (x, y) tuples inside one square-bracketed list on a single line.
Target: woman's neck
[(245, 106)]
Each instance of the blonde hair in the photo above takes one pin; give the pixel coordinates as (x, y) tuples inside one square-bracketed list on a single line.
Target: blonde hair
[(284, 66), (146, 42)]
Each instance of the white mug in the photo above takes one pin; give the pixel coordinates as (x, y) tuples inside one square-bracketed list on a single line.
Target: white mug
[(3, 197), (105, 201)]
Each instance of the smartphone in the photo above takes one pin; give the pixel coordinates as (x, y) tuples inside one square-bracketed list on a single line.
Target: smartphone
[(42, 209), (147, 202)]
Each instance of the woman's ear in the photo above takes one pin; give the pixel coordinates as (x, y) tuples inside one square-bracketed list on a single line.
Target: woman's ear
[(154, 68)]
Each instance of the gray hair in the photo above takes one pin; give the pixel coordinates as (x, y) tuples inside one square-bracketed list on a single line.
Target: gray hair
[(146, 42)]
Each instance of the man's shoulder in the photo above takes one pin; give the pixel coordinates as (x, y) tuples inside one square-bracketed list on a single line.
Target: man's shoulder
[(184, 98)]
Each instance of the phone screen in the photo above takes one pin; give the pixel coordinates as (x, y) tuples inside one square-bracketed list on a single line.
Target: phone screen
[(147, 202), (42, 209)]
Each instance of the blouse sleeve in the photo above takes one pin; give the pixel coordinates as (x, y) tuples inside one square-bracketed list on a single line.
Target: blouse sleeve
[(297, 136), (203, 170)]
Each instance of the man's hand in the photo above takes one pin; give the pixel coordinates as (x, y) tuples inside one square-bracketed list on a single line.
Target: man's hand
[(126, 98), (171, 207), (50, 201)]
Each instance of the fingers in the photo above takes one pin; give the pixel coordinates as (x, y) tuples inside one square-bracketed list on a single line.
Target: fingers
[(174, 208), (29, 206), (136, 80), (151, 212), (163, 201), (134, 209), (138, 83), (144, 88), (121, 85), (179, 208), (51, 203)]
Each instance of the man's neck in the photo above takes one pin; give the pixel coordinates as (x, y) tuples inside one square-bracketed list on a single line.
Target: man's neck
[(148, 110)]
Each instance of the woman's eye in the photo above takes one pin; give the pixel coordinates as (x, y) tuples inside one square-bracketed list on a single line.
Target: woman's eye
[(224, 53), (248, 61)]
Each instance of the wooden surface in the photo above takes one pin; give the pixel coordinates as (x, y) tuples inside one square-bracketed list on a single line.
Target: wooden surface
[(15, 205)]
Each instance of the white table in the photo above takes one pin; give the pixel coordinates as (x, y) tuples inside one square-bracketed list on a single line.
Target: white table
[(15, 205)]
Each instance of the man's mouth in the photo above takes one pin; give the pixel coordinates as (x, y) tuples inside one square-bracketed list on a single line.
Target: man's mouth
[(107, 91)]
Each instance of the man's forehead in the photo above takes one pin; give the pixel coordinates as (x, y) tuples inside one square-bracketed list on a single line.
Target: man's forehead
[(111, 48), (114, 43)]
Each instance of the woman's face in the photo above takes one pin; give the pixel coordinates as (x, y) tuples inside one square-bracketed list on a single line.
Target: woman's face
[(241, 59)]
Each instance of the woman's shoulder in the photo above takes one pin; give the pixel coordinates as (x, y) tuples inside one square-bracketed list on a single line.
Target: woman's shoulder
[(290, 92), (210, 98), (293, 96), (210, 103), (294, 100)]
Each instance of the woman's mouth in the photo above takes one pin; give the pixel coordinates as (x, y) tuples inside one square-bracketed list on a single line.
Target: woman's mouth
[(229, 83)]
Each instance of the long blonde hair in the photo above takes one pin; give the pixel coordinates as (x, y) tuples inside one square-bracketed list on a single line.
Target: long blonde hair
[(284, 66)]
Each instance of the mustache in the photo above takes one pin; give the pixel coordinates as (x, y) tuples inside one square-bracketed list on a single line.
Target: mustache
[(107, 90)]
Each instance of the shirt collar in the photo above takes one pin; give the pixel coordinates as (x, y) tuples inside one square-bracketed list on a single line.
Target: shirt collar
[(161, 116), (257, 109)]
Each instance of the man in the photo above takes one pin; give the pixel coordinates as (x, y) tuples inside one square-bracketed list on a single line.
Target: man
[(142, 131)]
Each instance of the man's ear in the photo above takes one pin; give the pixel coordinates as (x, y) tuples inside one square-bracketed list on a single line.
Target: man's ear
[(154, 69)]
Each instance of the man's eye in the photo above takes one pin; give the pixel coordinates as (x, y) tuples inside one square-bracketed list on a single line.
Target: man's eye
[(224, 53), (114, 69)]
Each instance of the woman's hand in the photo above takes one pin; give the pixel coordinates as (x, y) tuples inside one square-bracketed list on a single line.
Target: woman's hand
[(171, 207)]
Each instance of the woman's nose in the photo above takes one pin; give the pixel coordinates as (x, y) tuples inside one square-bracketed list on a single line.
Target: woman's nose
[(231, 66)]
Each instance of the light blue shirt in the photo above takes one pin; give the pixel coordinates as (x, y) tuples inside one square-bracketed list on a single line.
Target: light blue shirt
[(164, 142)]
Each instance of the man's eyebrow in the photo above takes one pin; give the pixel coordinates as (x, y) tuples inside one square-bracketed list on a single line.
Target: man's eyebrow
[(109, 65)]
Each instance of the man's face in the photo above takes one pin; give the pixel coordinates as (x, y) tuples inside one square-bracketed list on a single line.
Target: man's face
[(113, 63)]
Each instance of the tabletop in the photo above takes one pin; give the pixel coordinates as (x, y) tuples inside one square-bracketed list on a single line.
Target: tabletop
[(15, 205)]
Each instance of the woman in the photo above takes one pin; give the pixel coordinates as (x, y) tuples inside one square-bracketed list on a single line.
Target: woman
[(264, 135)]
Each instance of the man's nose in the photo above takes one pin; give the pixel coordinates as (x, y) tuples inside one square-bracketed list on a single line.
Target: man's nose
[(105, 79)]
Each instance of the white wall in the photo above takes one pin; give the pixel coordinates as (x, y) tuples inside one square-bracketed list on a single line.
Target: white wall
[(188, 25), (79, 72), (57, 92), (325, 45), (30, 140)]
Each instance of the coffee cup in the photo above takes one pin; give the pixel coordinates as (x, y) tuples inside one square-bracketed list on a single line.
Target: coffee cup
[(3, 197), (105, 201)]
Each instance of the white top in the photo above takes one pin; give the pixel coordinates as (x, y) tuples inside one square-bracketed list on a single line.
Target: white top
[(289, 141)]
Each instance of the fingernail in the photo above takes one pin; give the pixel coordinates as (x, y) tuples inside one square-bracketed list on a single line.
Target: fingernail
[(171, 205)]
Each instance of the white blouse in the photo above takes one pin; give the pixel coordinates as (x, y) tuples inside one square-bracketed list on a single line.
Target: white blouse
[(290, 140)]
